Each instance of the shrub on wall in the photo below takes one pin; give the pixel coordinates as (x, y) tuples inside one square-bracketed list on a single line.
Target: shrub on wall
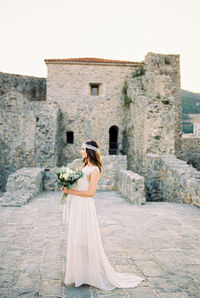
[(127, 99), (139, 72)]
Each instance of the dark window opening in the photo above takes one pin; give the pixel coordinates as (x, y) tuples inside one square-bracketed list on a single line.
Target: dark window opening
[(113, 140), (94, 89), (70, 137)]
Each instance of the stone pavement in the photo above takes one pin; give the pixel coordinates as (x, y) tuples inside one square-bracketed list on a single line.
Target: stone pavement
[(158, 241)]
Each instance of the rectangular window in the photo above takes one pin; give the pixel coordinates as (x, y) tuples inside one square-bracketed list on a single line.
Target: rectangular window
[(94, 89), (70, 137)]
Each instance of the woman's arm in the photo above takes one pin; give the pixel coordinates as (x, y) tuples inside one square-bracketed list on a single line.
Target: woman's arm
[(94, 176)]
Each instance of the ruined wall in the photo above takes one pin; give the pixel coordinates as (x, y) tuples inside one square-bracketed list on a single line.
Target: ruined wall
[(46, 138), (28, 133), (33, 88), (171, 179), (190, 151), (136, 125), (131, 186), (155, 113), (17, 125)]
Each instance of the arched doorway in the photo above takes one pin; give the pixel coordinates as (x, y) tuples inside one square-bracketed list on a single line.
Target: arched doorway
[(113, 140)]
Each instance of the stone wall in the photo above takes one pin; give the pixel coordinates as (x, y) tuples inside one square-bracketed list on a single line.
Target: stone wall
[(18, 123), (167, 178), (46, 137), (33, 88), (17, 126), (155, 115), (22, 186), (131, 186), (190, 151), (108, 180), (28, 134), (171, 179)]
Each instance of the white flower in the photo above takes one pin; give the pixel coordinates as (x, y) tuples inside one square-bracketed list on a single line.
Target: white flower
[(65, 176), (67, 170)]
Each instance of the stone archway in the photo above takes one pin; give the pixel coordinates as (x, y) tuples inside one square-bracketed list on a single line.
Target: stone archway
[(113, 140)]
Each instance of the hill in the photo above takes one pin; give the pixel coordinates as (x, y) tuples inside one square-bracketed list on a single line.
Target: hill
[(190, 102), (190, 105)]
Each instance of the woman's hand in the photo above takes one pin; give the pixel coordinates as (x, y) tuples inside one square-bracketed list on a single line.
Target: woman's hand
[(65, 190)]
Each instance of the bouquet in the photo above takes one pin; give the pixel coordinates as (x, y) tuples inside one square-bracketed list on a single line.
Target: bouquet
[(67, 178)]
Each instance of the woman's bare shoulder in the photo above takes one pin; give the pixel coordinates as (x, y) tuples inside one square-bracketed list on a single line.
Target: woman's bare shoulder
[(93, 169)]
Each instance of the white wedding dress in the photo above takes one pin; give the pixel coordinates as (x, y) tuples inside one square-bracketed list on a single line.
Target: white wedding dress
[(86, 261)]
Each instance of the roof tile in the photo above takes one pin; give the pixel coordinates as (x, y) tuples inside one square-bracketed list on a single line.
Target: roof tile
[(89, 59)]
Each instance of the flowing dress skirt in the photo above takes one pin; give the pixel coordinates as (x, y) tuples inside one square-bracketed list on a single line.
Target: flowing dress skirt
[(87, 262)]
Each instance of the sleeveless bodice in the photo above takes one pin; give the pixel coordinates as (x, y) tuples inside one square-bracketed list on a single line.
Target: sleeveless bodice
[(83, 183)]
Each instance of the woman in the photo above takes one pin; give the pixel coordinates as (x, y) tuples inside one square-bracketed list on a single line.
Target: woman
[(87, 262)]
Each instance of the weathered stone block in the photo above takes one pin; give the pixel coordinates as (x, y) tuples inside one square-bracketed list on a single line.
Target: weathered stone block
[(175, 181), (22, 186), (131, 185)]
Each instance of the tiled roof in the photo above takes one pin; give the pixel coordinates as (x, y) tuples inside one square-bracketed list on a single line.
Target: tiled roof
[(90, 60)]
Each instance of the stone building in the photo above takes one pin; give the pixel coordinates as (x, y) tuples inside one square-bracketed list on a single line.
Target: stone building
[(130, 108), (93, 96)]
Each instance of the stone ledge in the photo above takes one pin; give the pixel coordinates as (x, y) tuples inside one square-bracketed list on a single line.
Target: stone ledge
[(108, 180), (22, 186), (16, 198), (131, 186), (171, 179)]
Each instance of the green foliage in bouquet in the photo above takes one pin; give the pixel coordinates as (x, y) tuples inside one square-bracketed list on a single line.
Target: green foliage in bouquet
[(67, 177)]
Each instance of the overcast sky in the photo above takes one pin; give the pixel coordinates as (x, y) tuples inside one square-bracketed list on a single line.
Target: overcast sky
[(34, 30)]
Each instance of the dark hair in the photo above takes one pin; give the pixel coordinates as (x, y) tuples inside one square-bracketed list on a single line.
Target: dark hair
[(93, 156)]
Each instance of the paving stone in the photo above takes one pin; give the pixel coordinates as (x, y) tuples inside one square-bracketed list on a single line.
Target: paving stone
[(140, 292), (174, 295), (83, 291), (158, 241), (50, 287)]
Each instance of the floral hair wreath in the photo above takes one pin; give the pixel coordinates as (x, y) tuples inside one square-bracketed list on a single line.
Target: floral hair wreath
[(90, 147)]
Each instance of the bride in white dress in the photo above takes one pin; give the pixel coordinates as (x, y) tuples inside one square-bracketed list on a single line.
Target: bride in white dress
[(86, 261)]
